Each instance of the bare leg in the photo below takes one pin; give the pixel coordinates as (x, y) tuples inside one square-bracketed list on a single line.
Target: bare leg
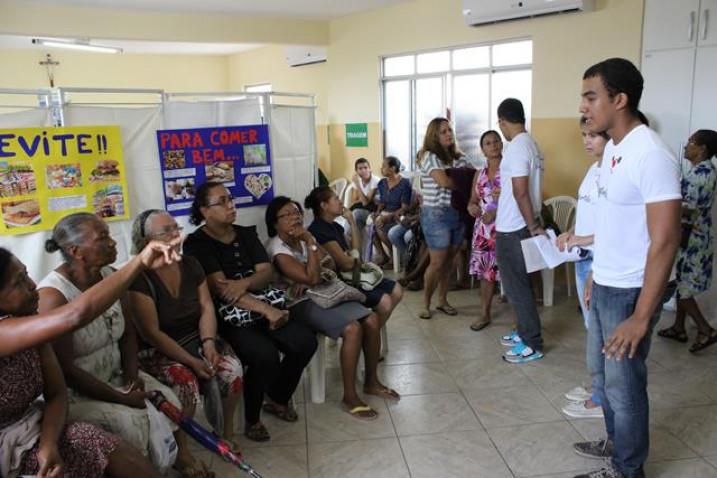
[(229, 406), (350, 351), (487, 289), (371, 351), (384, 243), (444, 278), (127, 462), (690, 307), (436, 266)]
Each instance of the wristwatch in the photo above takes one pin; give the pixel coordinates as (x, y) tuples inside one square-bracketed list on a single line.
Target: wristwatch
[(313, 247)]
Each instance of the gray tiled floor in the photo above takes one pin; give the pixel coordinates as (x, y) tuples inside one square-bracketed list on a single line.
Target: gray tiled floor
[(466, 413)]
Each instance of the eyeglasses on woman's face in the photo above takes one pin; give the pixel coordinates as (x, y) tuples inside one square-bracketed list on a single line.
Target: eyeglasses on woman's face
[(223, 201), (292, 213), (168, 232)]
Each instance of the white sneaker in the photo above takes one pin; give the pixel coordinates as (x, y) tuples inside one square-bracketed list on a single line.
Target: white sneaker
[(579, 410), (578, 394)]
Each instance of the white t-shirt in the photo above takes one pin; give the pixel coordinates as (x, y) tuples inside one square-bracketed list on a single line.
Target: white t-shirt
[(587, 204), (275, 246), (521, 158), (370, 186), (639, 170)]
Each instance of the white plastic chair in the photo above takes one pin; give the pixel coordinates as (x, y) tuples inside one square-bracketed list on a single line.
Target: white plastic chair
[(563, 210), (339, 186)]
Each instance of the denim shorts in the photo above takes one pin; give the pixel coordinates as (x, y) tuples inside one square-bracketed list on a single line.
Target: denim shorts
[(442, 227)]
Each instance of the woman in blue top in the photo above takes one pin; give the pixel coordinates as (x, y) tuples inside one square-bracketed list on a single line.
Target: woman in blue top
[(394, 199)]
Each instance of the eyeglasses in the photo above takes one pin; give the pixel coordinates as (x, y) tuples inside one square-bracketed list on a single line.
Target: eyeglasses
[(168, 231), (294, 213), (223, 201)]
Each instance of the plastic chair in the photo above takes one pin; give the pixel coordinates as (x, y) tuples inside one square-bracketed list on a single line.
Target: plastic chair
[(563, 210), (347, 194), (339, 186)]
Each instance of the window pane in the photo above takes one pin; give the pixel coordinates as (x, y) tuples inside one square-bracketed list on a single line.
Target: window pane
[(471, 112), (517, 53), (511, 84), (433, 62), (429, 104), (398, 65), (397, 111), (477, 57)]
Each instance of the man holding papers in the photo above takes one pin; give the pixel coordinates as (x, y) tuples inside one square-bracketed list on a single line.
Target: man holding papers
[(521, 173)]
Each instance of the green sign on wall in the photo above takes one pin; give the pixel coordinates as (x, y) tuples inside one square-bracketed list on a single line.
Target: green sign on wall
[(356, 135)]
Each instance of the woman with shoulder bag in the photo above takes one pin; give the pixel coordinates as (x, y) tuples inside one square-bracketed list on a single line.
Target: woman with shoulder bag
[(382, 298), (298, 259), (251, 315)]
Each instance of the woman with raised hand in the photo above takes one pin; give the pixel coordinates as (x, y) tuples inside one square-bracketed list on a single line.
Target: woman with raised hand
[(99, 360), (35, 440), (382, 299), (174, 314), (251, 317)]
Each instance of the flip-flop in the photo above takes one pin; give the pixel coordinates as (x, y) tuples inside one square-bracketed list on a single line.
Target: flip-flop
[(476, 326), (425, 314), (257, 432), (194, 470), (362, 412), (447, 309), (385, 392), (672, 334), (711, 340)]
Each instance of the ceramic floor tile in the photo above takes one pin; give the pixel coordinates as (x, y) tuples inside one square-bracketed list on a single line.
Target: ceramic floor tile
[(410, 351), (485, 374), (695, 426), (540, 449), (282, 433), (694, 468), (419, 414), (468, 347), (328, 422), (413, 379), (380, 458), (511, 406), (270, 462), (454, 454), (665, 392)]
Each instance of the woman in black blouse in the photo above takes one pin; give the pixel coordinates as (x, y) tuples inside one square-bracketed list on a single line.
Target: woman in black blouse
[(238, 271)]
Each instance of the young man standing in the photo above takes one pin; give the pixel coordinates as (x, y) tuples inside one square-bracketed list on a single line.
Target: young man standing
[(521, 172), (637, 234)]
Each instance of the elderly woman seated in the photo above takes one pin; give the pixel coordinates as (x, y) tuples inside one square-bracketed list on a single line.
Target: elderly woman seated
[(174, 314), (100, 359)]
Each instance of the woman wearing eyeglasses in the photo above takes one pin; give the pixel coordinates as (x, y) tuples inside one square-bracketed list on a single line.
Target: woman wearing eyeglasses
[(252, 320), (174, 314), (99, 360)]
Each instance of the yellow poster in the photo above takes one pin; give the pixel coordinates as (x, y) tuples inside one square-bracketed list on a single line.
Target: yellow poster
[(48, 173)]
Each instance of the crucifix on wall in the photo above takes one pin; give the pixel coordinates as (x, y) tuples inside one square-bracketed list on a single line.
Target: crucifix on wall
[(50, 65)]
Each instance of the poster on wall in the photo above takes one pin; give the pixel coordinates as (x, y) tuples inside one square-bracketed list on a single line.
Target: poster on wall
[(237, 156), (48, 173)]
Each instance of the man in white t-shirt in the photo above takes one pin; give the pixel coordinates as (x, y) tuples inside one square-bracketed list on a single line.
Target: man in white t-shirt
[(517, 218), (637, 234), (363, 193)]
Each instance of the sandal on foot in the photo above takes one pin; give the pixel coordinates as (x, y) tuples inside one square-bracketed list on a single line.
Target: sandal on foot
[(708, 340), (362, 412), (480, 324), (447, 309), (286, 413), (673, 334), (384, 392), (257, 432), (425, 314)]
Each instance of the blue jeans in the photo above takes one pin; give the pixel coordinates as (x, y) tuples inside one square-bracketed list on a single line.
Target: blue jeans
[(400, 236), (621, 385), (442, 227), (582, 270)]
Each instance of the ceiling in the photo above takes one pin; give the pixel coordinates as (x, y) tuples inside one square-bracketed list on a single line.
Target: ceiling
[(135, 46), (304, 9)]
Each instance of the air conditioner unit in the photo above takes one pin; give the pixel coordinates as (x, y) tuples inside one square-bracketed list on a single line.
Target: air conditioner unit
[(305, 55), (480, 12)]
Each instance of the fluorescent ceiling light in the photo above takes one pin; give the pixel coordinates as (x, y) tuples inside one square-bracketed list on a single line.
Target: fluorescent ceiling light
[(76, 45)]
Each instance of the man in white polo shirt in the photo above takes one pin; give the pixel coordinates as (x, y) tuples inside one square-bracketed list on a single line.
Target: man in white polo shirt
[(521, 173), (637, 234)]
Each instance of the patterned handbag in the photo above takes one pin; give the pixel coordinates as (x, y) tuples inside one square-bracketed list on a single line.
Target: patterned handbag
[(332, 291)]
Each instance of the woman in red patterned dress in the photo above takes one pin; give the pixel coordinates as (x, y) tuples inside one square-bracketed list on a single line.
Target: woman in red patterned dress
[(483, 206)]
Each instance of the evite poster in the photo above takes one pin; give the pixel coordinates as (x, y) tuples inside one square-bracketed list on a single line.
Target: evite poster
[(48, 173), (237, 156)]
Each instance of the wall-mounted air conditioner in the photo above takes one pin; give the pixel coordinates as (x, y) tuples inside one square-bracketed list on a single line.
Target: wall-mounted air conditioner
[(305, 55), (480, 12)]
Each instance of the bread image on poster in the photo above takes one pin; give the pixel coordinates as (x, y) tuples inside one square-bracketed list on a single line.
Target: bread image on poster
[(109, 202), (220, 172), (16, 180), (106, 170), (21, 213)]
